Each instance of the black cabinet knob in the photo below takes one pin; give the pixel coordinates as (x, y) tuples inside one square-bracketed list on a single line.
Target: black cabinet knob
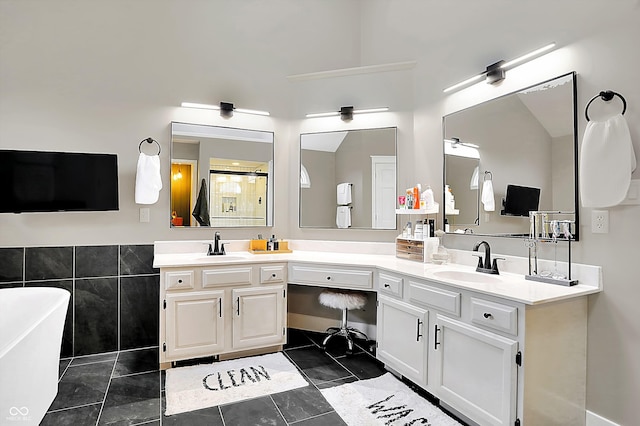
[(487, 315)]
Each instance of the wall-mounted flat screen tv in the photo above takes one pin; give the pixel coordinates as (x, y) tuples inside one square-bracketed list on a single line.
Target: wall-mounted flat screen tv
[(520, 200), (37, 181)]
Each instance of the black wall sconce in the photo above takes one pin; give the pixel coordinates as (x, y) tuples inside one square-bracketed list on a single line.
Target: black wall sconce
[(346, 113), (495, 73)]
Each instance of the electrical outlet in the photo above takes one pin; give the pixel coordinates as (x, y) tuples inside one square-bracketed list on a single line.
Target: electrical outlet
[(144, 214), (600, 221)]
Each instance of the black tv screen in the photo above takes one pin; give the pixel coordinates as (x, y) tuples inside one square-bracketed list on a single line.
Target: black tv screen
[(36, 181), (520, 200)]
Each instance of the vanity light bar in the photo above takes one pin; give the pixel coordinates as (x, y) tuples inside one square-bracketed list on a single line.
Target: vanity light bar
[(217, 108), (355, 111), (492, 69)]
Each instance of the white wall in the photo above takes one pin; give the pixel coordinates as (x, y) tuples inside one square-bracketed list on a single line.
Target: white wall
[(100, 76)]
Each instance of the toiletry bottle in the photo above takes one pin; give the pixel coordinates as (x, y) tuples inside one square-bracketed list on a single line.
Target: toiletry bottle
[(416, 197), (432, 226), (446, 225), (417, 234), (426, 229)]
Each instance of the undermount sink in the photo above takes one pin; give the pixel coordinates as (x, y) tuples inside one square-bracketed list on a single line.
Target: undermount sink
[(470, 277)]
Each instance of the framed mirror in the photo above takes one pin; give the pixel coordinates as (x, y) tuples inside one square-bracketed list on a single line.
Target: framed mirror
[(220, 176), (524, 143), (348, 179)]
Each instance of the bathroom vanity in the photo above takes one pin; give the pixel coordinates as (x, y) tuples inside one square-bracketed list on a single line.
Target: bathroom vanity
[(497, 349), (223, 310)]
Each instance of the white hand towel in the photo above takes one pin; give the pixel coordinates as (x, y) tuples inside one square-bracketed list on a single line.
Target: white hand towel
[(607, 160), (148, 180), (488, 200), (344, 193), (343, 216)]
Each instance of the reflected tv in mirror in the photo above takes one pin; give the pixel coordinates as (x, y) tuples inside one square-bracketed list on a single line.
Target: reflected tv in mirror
[(520, 200), (37, 181)]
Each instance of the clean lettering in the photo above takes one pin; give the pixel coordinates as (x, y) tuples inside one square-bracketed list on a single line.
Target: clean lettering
[(228, 379)]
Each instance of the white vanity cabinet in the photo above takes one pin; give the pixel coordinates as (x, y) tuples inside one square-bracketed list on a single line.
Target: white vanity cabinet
[(221, 310), (402, 333), (494, 361)]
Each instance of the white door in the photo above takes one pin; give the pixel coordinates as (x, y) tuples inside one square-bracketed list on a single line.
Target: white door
[(194, 324), (476, 372), (383, 197), (258, 317), (402, 332)]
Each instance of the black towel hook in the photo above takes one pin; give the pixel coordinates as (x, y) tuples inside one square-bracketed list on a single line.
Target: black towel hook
[(487, 172), (606, 95), (149, 140)]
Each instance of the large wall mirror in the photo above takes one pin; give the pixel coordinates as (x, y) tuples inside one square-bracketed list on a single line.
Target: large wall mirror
[(221, 176), (348, 179), (525, 143)]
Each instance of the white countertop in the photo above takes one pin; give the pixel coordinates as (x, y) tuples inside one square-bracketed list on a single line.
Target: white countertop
[(507, 285)]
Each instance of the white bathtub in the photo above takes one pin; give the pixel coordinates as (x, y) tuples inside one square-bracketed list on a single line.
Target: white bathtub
[(31, 324)]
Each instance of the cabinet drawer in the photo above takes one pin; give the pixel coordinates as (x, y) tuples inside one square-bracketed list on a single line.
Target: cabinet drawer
[(444, 300), (227, 276), (272, 274), (390, 284), (331, 277), (179, 280), (494, 315)]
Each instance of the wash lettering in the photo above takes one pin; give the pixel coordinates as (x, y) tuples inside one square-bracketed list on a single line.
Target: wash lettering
[(234, 378), (384, 411)]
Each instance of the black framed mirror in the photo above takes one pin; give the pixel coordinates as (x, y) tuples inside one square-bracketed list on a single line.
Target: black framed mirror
[(526, 144), (221, 176)]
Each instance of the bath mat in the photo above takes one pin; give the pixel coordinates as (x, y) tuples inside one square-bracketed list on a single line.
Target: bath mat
[(207, 385), (384, 400)]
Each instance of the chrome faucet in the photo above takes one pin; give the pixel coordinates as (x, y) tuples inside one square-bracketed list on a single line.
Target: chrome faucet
[(218, 248), (487, 267)]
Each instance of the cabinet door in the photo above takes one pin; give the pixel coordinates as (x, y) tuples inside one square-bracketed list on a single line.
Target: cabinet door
[(402, 332), (475, 371), (194, 324), (258, 317)]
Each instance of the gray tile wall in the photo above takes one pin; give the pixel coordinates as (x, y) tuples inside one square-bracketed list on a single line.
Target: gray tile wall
[(114, 292)]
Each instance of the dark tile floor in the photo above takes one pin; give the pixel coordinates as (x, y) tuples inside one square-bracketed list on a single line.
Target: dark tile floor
[(126, 388)]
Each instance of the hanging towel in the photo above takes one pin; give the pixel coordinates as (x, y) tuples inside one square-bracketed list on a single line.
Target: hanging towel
[(201, 209), (343, 216), (344, 193), (488, 200), (148, 180), (607, 160), (473, 184)]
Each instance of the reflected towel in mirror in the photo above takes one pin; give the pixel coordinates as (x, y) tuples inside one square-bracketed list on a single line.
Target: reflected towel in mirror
[(344, 193), (148, 179), (488, 200), (201, 209), (343, 216)]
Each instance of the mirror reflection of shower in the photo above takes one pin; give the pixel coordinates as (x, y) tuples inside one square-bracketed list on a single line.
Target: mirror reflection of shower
[(237, 194)]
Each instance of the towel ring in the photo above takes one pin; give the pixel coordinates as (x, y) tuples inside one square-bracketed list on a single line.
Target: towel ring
[(149, 140), (487, 173), (606, 96)]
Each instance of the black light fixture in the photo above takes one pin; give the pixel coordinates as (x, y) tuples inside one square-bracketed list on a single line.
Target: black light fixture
[(226, 109), (495, 73), (346, 113)]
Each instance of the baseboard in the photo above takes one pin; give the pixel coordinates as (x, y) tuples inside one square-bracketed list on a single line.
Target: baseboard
[(320, 324), (594, 419)]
